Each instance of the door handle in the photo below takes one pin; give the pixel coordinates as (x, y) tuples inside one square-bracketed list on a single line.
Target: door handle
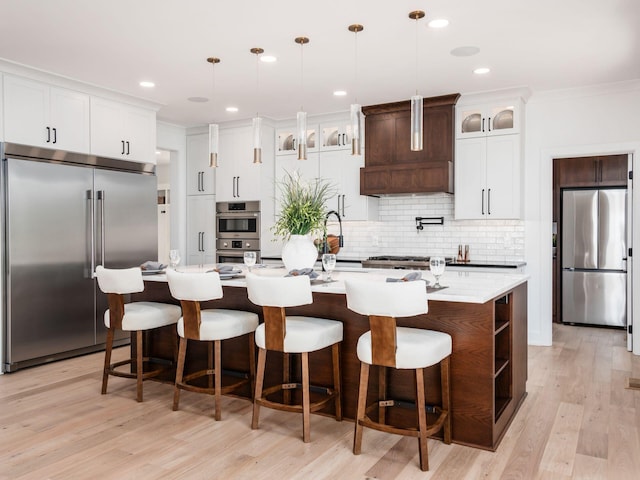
[(101, 199), (483, 201), (92, 227), (489, 202), (55, 135)]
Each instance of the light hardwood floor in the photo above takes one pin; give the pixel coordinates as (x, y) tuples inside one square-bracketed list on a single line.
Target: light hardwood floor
[(578, 421)]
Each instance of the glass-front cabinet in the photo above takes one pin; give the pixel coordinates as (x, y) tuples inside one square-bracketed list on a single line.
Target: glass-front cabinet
[(335, 136), (488, 119), (287, 143)]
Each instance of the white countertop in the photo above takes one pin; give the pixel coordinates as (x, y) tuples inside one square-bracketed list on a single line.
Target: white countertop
[(468, 287)]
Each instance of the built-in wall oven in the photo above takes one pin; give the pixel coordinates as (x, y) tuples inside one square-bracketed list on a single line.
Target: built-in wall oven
[(237, 230)]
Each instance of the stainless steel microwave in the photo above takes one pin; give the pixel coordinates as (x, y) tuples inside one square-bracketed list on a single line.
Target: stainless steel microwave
[(240, 220)]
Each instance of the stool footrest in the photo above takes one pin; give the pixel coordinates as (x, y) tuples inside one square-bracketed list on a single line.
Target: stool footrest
[(132, 361), (184, 385), (318, 405), (408, 431)]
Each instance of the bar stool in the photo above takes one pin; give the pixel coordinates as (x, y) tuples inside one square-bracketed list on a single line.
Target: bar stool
[(387, 345), (135, 317), (292, 334), (212, 326)]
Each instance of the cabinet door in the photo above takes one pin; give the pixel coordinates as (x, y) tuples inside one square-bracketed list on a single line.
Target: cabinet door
[(578, 172), (200, 177), (201, 220), (470, 177), (237, 177), (469, 121), (106, 129), (226, 170), (380, 139), (343, 171), (69, 116), (503, 177), (139, 133), (335, 136), (503, 119), (26, 112), (613, 170)]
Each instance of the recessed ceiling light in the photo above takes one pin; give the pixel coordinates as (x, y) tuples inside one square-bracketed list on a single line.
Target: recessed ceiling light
[(464, 51), (198, 99), (438, 23), (231, 109), (268, 58), (146, 84), (481, 70), (339, 93)]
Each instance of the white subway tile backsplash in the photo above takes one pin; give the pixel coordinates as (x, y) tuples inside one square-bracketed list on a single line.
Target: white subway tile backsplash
[(395, 233)]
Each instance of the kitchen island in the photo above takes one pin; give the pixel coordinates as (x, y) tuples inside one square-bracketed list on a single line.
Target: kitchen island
[(485, 314)]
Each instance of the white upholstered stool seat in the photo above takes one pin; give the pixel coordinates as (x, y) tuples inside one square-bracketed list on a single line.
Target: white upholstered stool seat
[(387, 345), (415, 347), (212, 326), (292, 335), (135, 317), (306, 334)]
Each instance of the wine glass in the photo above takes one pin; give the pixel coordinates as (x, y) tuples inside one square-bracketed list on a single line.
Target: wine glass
[(436, 265), (174, 258), (249, 259), (329, 263)]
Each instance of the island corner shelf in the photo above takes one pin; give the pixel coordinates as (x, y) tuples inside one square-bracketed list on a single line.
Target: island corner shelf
[(488, 361)]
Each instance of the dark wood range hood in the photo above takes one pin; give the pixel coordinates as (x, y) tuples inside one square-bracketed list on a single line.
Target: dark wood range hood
[(390, 165)]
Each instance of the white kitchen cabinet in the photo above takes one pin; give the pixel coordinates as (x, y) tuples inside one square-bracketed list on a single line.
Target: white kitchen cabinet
[(41, 115), (287, 142), (200, 176), (487, 178), (343, 171), (122, 131), (237, 177), (1, 110), (489, 119), (335, 135), (201, 229)]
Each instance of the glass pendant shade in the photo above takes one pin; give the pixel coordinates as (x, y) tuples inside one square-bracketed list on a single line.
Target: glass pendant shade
[(301, 135), (213, 145), (257, 140), (356, 124), (416, 123)]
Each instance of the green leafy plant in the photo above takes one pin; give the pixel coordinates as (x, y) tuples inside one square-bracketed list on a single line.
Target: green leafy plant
[(302, 205)]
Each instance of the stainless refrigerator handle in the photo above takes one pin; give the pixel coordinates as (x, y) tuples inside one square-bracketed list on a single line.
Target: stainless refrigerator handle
[(92, 227), (101, 199)]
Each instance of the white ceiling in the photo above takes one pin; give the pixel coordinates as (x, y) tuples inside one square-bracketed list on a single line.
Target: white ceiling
[(543, 44)]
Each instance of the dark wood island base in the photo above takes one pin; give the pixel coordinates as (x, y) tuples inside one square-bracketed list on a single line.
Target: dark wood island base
[(488, 363)]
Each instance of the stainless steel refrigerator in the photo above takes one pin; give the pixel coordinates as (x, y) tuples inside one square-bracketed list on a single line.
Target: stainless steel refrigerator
[(62, 215), (594, 256)]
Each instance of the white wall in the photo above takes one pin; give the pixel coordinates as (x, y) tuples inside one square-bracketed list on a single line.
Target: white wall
[(173, 138), (589, 121)]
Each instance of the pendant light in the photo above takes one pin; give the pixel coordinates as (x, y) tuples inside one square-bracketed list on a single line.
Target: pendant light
[(355, 109), (213, 128), (257, 121), (416, 100), (301, 117)]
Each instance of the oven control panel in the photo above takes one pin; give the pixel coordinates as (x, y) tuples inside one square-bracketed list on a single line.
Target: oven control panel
[(230, 244)]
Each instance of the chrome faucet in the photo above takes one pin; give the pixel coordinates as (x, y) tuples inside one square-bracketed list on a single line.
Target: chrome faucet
[(325, 246)]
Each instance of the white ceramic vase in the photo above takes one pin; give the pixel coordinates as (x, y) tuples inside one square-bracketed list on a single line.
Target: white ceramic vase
[(299, 252)]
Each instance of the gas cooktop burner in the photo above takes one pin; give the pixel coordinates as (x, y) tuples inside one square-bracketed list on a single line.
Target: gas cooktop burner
[(397, 258), (398, 261)]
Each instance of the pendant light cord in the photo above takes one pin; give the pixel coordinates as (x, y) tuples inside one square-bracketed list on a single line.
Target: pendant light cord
[(355, 67), (301, 77), (416, 69), (257, 82)]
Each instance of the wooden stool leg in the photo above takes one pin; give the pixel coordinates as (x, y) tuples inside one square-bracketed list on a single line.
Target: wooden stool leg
[(262, 357), (107, 360), (382, 393), (286, 377), (210, 363), (422, 420), (306, 409), (182, 353), (362, 405), (218, 379), (446, 397), (335, 350), (139, 370), (252, 362)]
